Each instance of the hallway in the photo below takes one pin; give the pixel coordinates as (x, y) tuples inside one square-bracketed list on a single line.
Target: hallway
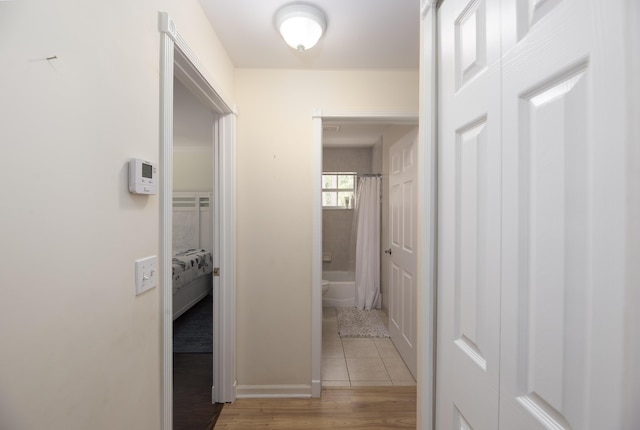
[(371, 408)]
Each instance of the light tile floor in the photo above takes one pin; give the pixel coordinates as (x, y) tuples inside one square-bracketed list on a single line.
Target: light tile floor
[(351, 362)]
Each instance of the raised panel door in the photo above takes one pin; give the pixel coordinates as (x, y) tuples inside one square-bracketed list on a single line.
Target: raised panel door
[(563, 245), (469, 164), (402, 288)]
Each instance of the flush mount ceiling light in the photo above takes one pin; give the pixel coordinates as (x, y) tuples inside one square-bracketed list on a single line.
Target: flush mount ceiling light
[(301, 25)]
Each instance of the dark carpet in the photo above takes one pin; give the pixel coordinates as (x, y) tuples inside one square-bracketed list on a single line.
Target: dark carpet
[(193, 330)]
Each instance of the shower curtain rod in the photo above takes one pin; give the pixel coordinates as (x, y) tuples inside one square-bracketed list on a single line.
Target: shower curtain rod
[(370, 175)]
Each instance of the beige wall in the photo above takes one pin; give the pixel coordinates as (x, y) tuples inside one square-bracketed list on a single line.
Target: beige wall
[(193, 170), (76, 341), (274, 186), (78, 349), (192, 142)]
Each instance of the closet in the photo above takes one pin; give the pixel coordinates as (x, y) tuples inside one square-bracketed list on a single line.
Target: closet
[(531, 215)]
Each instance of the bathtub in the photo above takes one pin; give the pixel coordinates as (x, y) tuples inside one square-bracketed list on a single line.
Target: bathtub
[(342, 289)]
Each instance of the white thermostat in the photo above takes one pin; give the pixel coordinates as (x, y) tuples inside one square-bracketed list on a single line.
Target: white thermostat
[(143, 177)]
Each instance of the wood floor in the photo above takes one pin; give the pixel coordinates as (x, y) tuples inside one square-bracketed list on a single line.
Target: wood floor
[(339, 408), (192, 378), (368, 408)]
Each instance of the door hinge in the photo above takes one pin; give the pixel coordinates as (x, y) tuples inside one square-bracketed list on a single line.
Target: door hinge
[(216, 271)]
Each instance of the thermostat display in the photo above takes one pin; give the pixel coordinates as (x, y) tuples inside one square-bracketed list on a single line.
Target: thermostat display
[(143, 177), (147, 170)]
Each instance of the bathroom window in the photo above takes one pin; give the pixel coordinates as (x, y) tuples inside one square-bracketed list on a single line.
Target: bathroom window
[(338, 190)]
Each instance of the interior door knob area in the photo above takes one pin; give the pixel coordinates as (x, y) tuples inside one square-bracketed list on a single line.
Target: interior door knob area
[(387, 251)]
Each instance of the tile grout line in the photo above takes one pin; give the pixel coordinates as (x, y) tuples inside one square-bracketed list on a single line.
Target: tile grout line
[(379, 356), (346, 363)]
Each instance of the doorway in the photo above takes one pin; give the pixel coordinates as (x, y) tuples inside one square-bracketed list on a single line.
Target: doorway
[(177, 60), (401, 123), (194, 247)]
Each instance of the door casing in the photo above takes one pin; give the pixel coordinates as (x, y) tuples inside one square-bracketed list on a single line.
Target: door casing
[(178, 60)]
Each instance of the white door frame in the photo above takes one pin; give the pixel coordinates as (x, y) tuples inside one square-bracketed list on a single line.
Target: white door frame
[(316, 253), (178, 60), (427, 218)]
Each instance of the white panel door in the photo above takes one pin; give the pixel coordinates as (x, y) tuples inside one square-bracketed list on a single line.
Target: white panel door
[(403, 220), (532, 205), (563, 220), (467, 376)]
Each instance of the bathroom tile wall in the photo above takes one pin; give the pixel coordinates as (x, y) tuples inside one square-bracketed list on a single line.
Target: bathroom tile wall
[(336, 223)]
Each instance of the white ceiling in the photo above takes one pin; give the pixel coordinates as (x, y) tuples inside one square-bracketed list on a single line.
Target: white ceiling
[(361, 34)]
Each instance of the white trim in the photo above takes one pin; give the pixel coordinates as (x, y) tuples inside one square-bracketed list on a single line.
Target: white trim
[(191, 72), (316, 258), (166, 216), (176, 56), (225, 334), (391, 117), (426, 6), (273, 391), (427, 216)]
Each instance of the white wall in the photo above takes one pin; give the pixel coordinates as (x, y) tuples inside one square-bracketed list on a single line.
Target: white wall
[(78, 349), (274, 214)]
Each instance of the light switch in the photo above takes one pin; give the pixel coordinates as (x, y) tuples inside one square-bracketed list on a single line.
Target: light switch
[(146, 274)]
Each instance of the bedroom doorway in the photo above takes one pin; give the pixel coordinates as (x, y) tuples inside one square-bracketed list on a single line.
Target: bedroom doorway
[(194, 247), (180, 66)]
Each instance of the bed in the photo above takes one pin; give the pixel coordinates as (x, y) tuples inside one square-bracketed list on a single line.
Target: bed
[(192, 263)]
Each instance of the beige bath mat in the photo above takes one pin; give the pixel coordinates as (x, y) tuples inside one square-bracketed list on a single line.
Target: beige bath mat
[(354, 322)]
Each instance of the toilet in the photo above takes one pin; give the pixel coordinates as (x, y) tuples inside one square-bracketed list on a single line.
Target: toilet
[(325, 287)]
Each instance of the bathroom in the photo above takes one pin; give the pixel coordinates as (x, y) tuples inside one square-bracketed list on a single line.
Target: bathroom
[(354, 150), (338, 249)]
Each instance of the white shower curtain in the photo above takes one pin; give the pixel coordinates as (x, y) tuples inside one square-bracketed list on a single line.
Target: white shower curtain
[(368, 243)]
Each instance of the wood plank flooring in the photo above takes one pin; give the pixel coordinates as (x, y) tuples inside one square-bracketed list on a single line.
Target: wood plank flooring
[(368, 408), (192, 379)]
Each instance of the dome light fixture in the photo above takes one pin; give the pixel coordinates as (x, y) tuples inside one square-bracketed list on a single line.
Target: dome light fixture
[(301, 25)]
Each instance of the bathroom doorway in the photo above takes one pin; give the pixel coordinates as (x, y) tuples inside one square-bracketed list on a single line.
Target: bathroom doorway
[(359, 146)]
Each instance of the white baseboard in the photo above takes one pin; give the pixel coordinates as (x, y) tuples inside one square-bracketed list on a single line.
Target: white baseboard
[(273, 391)]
